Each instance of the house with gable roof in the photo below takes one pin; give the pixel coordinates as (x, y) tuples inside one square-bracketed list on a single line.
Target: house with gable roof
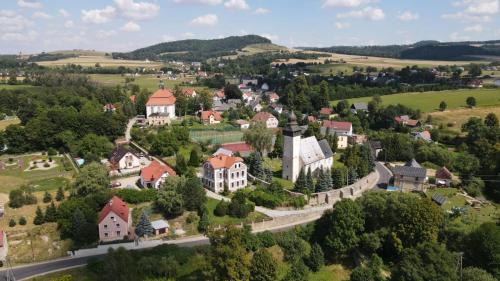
[(115, 220), (223, 170), (267, 118), (123, 158), (210, 117), (160, 108), (343, 130), (155, 174), (410, 177)]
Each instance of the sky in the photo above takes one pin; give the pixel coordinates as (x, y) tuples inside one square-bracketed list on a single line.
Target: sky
[(31, 26)]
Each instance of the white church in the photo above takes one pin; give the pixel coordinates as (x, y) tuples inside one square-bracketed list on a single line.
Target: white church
[(303, 153)]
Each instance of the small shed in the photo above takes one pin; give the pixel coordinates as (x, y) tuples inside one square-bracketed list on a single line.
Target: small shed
[(160, 226), (443, 177)]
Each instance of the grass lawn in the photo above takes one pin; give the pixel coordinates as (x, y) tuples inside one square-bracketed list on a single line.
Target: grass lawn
[(215, 220), (216, 136), (275, 166), (333, 272), (147, 81), (7, 122), (336, 160), (457, 117), (429, 101), (13, 177)]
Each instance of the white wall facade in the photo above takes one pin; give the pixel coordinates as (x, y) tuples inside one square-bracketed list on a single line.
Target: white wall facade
[(129, 161), (291, 157)]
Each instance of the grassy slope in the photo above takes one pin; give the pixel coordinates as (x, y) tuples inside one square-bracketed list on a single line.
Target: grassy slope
[(149, 82), (429, 101), (457, 117)]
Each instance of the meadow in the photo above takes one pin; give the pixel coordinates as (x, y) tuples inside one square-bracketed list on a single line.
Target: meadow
[(146, 81), (104, 61), (429, 101), (454, 119), (6, 122)]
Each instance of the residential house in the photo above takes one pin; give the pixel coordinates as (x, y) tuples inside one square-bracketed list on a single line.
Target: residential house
[(189, 92), (249, 81), (425, 135), (222, 151), (219, 95), (264, 87), (343, 130), (4, 246), (160, 227), (277, 107), (222, 170), (242, 148), (267, 118), (444, 177), (273, 97), (210, 117), (124, 158), (311, 119), (243, 124), (256, 106), (160, 108), (248, 97), (359, 106), (476, 83), (155, 174), (410, 177), (405, 120), (109, 107), (115, 220), (326, 113), (375, 147), (358, 139)]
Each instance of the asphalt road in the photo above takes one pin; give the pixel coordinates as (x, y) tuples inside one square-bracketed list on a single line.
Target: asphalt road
[(384, 175)]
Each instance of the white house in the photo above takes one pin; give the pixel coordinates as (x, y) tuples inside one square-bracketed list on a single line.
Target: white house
[(160, 108), (243, 124), (222, 170), (155, 174), (342, 129), (123, 158), (303, 153), (266, 117), (115, 220)]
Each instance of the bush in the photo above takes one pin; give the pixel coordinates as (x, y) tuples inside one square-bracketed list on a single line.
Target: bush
[(221, 209), (22, 221), (266, 239), (46, 165), (47, 197), (240, 207), (134, 196), (262, 198), (297, 202), (192, 217), (12, 223), (51, 152), (474, 187)]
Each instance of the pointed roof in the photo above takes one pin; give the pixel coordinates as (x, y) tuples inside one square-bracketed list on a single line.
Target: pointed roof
[(118, 153), (444, 173), (413, 163), (205, 115), (162, 97), (117, 206), (155, 170), (262, 116), (223, 161), (337, 125)]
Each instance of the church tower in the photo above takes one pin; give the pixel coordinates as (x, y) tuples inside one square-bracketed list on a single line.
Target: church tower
[(291, 149)]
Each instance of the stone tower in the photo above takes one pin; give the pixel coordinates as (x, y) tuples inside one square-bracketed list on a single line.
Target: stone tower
[(291, 149)]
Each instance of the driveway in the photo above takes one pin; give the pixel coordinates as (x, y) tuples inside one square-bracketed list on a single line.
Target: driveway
[(129, 182)]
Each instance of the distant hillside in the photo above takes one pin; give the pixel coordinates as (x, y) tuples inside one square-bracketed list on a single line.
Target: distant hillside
[(424, 50), (193, 49)]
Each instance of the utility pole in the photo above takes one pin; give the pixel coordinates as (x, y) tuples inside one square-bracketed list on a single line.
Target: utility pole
[(10, 275)]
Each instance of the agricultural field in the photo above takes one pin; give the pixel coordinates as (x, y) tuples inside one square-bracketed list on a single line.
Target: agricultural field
[(147, 81), (454, 119), (104, 61), (429, 101)]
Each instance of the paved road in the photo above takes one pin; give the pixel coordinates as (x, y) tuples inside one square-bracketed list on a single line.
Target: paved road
[(384, 175), (130, 124)]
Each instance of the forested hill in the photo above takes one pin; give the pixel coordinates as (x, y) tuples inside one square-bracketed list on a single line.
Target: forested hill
[(193, 49), (424, 50)]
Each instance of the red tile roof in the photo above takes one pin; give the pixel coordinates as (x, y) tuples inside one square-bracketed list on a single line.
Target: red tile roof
[(162, 97), (238, 147), (117, 206), (273, 96), (326, 111), (311, 118), (443, 173), (155, 170), (132, 98), (190, 92), (336, 125), (223, 161), (205, 115), (262, 116)]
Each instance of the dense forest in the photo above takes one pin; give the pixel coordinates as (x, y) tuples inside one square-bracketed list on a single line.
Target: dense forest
[(193, 49), (425, 50)]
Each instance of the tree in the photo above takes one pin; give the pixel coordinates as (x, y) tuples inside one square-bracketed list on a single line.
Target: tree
[(477, 274), (144, 227), (169, 202), (471, 102), (301, 182), (232, 92), (491, 120), (316, 258), (39, 217), (47, 197), (259, 137), (12, 223), (263, 267), (222, 208), (442, 106), (338, 230), (309, 181), (324, 95), (227, 256), (428, 261), (22, 221), (204, 222), (298, 271), (51, 213), (369, 272), (483, 246), (140, 102), (119, 265), (60, 194), (324, 182), (342, 106), (193, 194), (194, 158), (180, 164), (338, 178), (475, 70), (278, 146), (91, 179)]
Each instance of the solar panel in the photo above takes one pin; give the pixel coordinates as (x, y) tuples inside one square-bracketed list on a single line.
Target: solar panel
[(438, 198)]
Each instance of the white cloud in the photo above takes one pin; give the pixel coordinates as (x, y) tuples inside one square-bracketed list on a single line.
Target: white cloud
[(342, 25), (69, 24), (474, 28), (237, 5), (474, 10), (205, 20), (465, 17), (187, 35), (271, 37), (98, 16), (29, 4), (103, 34), (64, 13), (41, 15), (131, 27), (167, 38), (455, 36), (19, 37), (12, 22), (204, 2), (408, 16), (137, 10), (345, 3), (370, 13), (262, 11)]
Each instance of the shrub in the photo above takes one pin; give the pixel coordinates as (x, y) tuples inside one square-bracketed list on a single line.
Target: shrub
[(12, 223), (47, 197), (46, 165), (22, 221), (192, 217), (134, 196), (265, 199), (51, 152), (297, 202), (221, 209)]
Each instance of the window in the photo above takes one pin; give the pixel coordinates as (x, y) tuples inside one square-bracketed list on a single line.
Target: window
[(118, 233), (237, 174), (117, 225), (242, 173), (105, 226), (105, 234), (232, 175), (113, 218), (232, 184)]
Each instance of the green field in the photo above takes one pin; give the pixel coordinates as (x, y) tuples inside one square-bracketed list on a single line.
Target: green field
[(15, 87), (148, 81), (216, 136), (429, 101)]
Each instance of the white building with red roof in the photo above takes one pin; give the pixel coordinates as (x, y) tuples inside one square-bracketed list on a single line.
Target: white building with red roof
[(273, 97), (343, 130), (210, 117), (155, 174), (160, 108), (189, 92), (267, 118), (223, 170), (115, 220)]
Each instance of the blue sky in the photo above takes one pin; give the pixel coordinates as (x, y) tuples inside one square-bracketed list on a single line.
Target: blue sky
[(120, 25)]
